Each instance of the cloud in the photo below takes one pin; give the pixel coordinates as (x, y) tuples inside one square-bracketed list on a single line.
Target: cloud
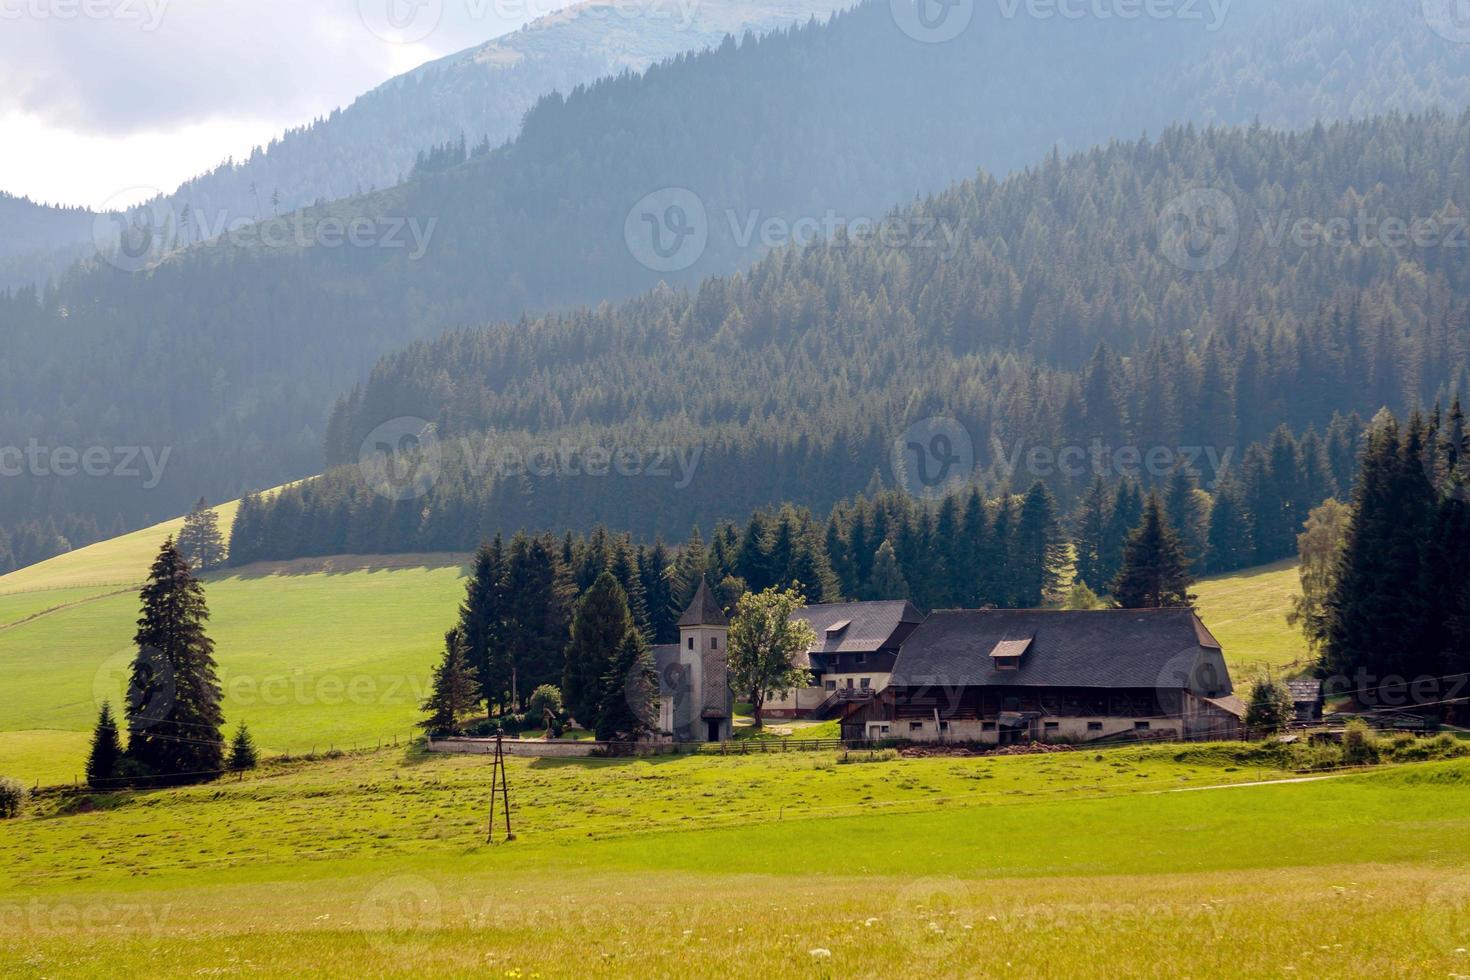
[(120, 67)]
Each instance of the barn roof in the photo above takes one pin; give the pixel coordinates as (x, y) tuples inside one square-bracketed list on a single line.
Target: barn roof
[(858, 627), (1116, 648), (1305, 691)]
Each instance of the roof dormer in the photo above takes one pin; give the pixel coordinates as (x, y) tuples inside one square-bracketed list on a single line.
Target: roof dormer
[(1008, 654)]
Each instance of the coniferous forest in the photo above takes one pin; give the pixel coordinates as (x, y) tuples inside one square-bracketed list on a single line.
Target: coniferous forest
[(230, 355)]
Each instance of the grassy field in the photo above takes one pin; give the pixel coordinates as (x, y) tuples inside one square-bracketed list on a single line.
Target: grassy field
[(337, 652), (1054, 865), (1247, 613)]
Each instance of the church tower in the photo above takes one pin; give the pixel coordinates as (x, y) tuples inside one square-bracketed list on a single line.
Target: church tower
[(703, 634)]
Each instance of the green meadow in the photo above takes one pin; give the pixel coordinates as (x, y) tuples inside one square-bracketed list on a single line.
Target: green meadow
[(1160, 861)]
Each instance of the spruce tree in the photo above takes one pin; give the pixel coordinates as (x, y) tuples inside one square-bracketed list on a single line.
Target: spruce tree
[(1039, 558), (482, 618), (243, 754), (173, 711), (200, 541), (455, 690), (106, 751), (627, 707), (600, 622), (1127, 511), (1089, 527), (1155, 573), (1229, 544), (887, 581)]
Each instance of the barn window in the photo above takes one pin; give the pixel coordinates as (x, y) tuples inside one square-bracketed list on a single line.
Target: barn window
[(866, 682), (1140, 726), (831, 685), (1094, 726), (714, 643), (691, 643), (987, 726), (1053, 726), (916, 726)]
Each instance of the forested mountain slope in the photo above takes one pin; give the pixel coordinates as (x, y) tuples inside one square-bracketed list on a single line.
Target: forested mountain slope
[(231, 354), (1069, 309)]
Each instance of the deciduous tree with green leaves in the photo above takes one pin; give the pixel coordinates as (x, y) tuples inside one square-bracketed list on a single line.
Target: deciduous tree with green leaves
[(766, 646)]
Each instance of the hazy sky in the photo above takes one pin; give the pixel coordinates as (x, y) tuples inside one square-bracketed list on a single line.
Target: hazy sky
[(101, 97)]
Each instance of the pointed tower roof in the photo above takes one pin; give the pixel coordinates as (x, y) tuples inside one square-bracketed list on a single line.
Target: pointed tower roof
[(703, 610)]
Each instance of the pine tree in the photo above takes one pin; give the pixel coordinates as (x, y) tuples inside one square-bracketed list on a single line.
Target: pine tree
[(1228, 544), (1185, 514), (1039, 558), (482, 619), (1154, 572), (200, 541), (887, 581), (1377, 610), (1089, 530), (173, 711), (628, 705), (1127, 512), (243, 754), (455, 691), (106, 751), (599, 624)]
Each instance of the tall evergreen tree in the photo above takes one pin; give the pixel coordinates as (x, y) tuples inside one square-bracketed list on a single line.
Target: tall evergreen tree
[(243, 753), (1089, 530), (628, 704), (600, 623), (106, 750), (199, 539), (173, 711), (1039, 556), (482, 622), (887, 580), (1155, 573), (455, 690)]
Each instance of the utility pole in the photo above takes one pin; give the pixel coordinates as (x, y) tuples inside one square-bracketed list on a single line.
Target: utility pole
[(499, 782)]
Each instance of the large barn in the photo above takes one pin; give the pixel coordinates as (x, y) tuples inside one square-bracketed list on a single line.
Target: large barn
[(1010, 676)]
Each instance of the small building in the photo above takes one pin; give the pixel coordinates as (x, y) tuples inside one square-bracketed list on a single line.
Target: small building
[(852, 658), (1306, 698), (696, 703), (1014, 676)]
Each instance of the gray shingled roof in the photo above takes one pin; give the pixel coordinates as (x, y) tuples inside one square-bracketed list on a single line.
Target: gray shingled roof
[(703, 609), (1119, 648), (870, 625), (1307, 689)]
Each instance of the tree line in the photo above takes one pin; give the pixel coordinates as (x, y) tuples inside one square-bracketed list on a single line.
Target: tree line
[(257, 341)]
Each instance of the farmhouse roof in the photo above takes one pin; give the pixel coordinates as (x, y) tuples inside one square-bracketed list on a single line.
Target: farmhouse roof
[(859, 627), (703, 609), (1116, 648)]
